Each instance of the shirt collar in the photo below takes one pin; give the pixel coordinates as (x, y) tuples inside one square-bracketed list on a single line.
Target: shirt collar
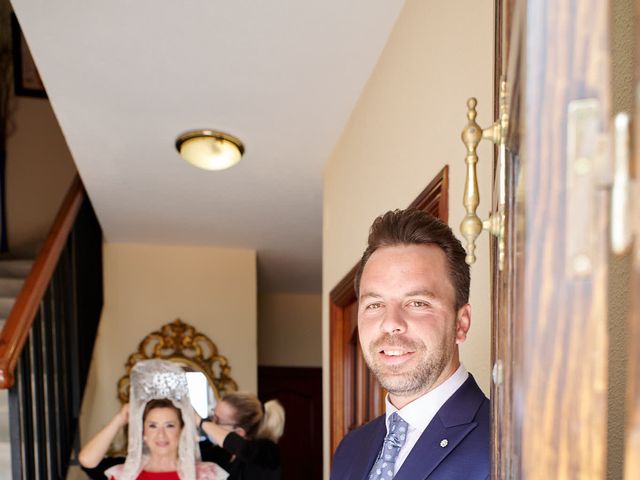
[(419, 413)]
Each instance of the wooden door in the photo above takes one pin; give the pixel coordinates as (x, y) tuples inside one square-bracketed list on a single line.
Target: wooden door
[(356, 396), (549, 263), (299, 390)]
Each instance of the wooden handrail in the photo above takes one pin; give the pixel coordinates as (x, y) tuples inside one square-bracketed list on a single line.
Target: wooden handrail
[(18, 324)]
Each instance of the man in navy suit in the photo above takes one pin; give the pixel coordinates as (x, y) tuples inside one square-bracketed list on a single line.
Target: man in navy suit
[(413, 312)]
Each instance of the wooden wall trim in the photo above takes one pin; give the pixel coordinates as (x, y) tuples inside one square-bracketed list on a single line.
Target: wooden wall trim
[(435, 196), (343, 293), (18, 324)]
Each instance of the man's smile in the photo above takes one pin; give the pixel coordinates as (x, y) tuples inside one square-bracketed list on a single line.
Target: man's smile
[(394, 355)]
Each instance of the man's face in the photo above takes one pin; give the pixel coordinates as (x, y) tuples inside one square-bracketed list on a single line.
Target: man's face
[(408, 327)]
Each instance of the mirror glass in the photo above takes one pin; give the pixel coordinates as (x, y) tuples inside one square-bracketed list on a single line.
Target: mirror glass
[(201, 393)]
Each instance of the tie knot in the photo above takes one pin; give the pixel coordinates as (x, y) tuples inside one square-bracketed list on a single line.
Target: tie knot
[(397, 433), (396, 423)]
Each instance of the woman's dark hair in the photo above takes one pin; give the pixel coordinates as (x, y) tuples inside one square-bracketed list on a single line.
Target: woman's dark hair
[(258, 420), (416, 227), (162, 403)]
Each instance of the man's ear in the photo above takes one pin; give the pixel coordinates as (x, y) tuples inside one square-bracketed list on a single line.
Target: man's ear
[(463, 322), (240, 431)]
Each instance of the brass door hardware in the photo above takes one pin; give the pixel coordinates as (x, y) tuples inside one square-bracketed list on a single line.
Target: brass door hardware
[(471, 226)]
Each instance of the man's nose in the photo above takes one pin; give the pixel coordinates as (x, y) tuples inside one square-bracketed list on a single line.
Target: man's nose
[(393, 320)]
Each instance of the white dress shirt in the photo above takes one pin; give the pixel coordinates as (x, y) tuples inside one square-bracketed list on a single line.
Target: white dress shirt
[(419, 413)]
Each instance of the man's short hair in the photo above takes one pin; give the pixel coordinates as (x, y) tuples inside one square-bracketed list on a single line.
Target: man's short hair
[(415, 227)]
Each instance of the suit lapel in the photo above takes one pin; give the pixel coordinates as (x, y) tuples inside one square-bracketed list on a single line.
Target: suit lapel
[(452, 423), (371, 444), (428, 451)]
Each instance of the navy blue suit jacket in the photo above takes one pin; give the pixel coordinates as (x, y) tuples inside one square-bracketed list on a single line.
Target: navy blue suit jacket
[(463, 421)]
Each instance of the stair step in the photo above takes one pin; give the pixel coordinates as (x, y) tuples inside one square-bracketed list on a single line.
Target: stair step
[(5, 445), (6, 304), (10, 287), (15, 268), (5, 459)]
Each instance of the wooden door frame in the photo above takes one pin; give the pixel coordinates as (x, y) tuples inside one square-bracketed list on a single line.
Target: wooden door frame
[(632, 407), (433, 199)]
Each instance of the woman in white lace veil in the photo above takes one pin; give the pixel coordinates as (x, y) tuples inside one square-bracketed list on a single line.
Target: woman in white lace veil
[(160, 381)]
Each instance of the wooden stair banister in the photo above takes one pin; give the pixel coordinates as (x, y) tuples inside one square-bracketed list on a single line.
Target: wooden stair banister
[(20, 319)]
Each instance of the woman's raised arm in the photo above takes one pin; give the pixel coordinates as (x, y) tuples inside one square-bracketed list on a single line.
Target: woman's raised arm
[(94, 451)]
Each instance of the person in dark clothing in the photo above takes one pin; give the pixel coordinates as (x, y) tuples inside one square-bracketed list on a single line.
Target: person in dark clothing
[(97, 472), (245, 433), (248, 432)]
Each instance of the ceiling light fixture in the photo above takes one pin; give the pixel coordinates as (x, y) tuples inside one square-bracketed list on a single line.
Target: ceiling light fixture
[(209, 149)]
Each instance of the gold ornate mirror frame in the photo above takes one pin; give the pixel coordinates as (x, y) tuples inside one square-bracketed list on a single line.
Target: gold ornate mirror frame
[(181, 343)]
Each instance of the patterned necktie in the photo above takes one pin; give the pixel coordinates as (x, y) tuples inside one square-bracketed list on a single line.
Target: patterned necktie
[(396, 436)]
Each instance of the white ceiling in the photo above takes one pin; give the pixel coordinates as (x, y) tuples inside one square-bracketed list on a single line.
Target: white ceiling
[(126, 77)]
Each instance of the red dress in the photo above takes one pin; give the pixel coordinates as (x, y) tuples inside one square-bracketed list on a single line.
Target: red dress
[(144, 475), (204, 471)]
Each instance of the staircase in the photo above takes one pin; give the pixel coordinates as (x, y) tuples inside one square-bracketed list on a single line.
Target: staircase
[(12, 275), (48, 323)]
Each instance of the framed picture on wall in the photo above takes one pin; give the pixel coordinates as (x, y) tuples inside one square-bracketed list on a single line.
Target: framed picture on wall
[(26, 78)]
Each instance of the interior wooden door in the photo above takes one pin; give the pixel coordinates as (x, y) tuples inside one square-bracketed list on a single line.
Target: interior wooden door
[(549, 264), (356, 396), (299, 390)]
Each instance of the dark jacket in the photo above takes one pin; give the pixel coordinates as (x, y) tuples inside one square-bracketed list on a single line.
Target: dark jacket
[(463, 421), (254, 459)]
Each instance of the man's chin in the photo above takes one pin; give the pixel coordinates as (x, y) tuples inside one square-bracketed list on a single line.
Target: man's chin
[(395, 373), (399, 384), (404, 382)]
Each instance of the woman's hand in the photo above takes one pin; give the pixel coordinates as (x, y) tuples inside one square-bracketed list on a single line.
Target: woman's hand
[(195, 416), (122, 417)]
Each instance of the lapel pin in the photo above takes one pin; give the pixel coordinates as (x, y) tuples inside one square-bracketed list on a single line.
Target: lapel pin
[(444, 442)]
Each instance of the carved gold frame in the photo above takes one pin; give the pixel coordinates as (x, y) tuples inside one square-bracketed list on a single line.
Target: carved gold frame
[(181, 343)]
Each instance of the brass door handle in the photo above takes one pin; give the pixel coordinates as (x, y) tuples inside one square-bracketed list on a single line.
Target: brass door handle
[(471, 226)]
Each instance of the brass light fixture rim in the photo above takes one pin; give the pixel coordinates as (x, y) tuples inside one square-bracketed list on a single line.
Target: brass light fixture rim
[(207, 133)]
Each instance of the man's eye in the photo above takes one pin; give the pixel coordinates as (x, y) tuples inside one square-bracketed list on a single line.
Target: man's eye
[(418, 303), (373, 306)]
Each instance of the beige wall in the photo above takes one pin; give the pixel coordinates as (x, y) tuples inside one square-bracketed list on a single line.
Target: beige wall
[(38, 173), (146, 286), (289, 330), (405, 127)]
